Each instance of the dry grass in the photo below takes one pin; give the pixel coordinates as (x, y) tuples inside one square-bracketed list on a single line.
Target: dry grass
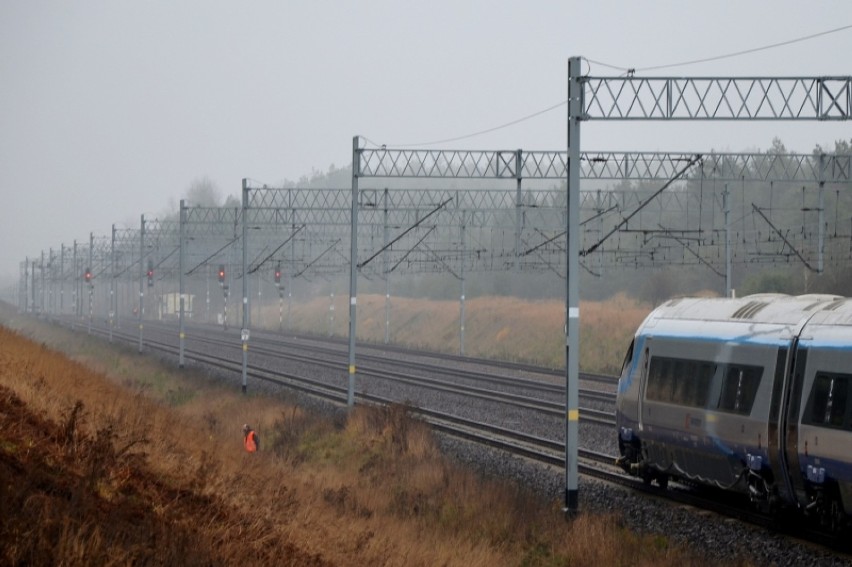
[(138, 463), (495, 327)]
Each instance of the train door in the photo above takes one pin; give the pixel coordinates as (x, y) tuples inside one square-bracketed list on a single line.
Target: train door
[(775, 428), (790, 421)]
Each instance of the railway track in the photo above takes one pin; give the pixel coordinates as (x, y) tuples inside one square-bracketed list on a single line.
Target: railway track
[(372, 368)]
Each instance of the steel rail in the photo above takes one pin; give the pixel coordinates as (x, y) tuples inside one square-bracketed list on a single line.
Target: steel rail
[(553, 408)]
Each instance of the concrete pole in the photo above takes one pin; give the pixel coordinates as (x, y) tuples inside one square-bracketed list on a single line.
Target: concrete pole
[(34, 288), (244, 333), (141, 277), (463, 244), (572, 295), (91, 281), (112, 297), (292, 265), (62, 280), (726, 207), (75, 275), (519, 163), (386, 261), (43, 286), (353, 269), (821, 239), (181, 288)]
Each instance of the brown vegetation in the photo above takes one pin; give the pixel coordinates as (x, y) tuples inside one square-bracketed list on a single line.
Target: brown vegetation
[(506, 328), (138, 463)]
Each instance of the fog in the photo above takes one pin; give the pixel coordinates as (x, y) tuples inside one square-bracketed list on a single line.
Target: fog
[(113, 109)]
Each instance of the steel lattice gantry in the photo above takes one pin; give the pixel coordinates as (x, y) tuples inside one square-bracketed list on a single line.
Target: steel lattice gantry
[(636, 166), (503, 211), (714, 98), (330, 208), (770, 168), (320, 218)]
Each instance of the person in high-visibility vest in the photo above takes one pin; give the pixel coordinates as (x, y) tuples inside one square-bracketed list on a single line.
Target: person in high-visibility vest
[(250, 439)]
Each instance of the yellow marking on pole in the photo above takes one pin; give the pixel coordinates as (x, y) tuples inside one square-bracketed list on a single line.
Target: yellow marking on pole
[(183, 335), (573, 415), (245, 346), (351, 369)]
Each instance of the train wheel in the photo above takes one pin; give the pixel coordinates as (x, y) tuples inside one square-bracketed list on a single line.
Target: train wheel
[(836, 519), (663, 481)]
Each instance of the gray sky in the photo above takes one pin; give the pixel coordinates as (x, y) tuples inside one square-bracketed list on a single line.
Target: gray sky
[(111, 108)]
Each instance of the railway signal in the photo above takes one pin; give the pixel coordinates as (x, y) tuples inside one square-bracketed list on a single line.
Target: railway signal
[(221, 274), (150, 273), (277, 276), (87, 275)]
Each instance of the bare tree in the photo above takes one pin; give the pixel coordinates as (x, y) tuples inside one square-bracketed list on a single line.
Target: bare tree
[(203, 192)]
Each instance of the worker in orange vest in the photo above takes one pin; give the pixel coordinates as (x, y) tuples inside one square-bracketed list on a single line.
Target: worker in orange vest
[(250, 439)]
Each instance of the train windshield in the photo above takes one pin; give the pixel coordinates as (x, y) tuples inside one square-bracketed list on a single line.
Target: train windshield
[(625, 366)]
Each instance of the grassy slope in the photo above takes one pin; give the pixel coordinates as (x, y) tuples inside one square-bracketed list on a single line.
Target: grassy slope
[(149, 469)]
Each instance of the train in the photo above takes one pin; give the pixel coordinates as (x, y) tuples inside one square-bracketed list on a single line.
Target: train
[(750, 395)]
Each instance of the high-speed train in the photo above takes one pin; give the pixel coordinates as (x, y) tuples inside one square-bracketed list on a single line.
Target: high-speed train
[(752, 394)]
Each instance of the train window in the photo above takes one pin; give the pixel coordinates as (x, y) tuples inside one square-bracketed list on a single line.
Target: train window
[(704, 376), (835, 409), (684, 383), (656, 389), (680, 381), (661, 379), (739, 388), (828, 400)]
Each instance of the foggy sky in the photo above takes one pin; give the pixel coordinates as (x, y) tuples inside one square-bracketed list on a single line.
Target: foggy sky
[(111, 108)]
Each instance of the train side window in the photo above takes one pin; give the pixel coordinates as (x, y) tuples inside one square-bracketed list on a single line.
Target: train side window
[(740, 388), (652, 386), (828, 400), (680, 381), (659, 380), (835, 413), (665, 380), (704, 376)]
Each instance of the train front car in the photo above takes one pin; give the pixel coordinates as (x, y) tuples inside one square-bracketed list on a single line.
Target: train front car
[(699, 400), (823, 443)]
